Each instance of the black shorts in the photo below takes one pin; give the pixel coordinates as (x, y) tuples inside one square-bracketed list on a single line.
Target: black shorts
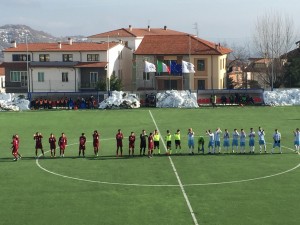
[(169, 144), (177, 142), (156, 144), (143, 145)]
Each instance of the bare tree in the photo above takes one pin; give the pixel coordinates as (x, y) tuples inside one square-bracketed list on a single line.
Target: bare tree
[(273, 37), (238, 59)]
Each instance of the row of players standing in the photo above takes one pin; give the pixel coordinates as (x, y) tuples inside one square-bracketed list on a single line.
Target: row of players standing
[(154, 139), (62, 143), (239, 140)]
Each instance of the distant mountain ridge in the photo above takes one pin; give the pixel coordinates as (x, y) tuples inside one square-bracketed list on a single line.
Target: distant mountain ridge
[(18, 33)]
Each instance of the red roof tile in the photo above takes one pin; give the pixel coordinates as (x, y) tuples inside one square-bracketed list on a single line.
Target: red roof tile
[(178, 45), (65, 47), (136, 32)]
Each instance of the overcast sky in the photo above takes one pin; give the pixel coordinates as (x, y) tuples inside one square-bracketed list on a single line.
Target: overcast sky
[(217, 20)]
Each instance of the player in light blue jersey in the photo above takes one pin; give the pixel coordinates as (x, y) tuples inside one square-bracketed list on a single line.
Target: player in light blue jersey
[(252, 140), (261, 140), (218, 140), (243, 136), (277, 139), (211, 142), (297, 140), (235, 140), (226, 142), (191, 142)]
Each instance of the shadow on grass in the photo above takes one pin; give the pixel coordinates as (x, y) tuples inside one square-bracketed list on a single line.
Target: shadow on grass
[(127, 157)]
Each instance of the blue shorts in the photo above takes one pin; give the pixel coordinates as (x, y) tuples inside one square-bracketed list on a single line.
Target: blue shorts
[(235, 143), (226, 143), (251, 143), (296, 143), (242, 144), (191, 143), (211, 144), (261, 142), (276, 144), (217, 143)]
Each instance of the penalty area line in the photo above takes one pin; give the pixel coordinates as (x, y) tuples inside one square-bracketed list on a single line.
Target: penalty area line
[(177, 176)]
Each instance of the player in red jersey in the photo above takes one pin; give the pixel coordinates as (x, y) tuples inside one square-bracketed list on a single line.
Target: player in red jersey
[(82, 141), (96, 138), (62, 142), (131, 143), (18, 140), (52, 142), (15, 147), (38, 143), (150, 145), (119, 138)]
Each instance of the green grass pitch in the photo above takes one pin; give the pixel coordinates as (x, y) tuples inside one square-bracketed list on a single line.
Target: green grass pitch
[(225, 189)]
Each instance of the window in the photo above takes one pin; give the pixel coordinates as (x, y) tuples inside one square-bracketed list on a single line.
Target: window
[(20, 57), (201, 84), (67, 57), (44, 57), (41, 76), (200, 65), (170, 84), (146, 76), (15, 76), (93, 77), (92, 57), (64, 77)]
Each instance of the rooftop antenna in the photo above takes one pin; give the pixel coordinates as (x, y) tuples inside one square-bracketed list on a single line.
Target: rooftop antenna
[(196, 28)]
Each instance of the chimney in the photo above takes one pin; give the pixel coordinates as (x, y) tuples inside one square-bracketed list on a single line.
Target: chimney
[(149, 28), (70, 41), (130, 28), (59, 44), (13, 44), (165, 28)]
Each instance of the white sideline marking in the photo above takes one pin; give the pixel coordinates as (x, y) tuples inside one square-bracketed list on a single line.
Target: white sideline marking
[(177, 176)]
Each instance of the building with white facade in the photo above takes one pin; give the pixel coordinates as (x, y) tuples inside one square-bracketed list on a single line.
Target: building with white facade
[(64, 67)]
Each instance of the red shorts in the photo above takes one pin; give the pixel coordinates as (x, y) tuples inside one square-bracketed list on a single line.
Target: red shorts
[(62, 147), (38, 145), (53, 146), (82, 147), (15, 151), (131, 145), (119, 144), (96, 144)]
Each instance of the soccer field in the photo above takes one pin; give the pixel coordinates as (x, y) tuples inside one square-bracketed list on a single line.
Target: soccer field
[(183, 189)]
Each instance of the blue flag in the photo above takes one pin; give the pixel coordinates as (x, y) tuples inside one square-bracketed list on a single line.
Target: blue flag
[(176, 69)]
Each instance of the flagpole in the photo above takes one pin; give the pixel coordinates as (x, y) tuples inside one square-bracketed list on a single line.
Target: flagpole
[(107, 69)]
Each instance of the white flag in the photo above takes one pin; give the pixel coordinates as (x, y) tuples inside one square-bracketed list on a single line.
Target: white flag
[(149, 67), (187, 67)]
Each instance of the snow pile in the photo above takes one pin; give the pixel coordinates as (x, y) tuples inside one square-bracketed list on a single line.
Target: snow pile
[(282, 97), (10, 102), (176, 99), (120, 100)]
